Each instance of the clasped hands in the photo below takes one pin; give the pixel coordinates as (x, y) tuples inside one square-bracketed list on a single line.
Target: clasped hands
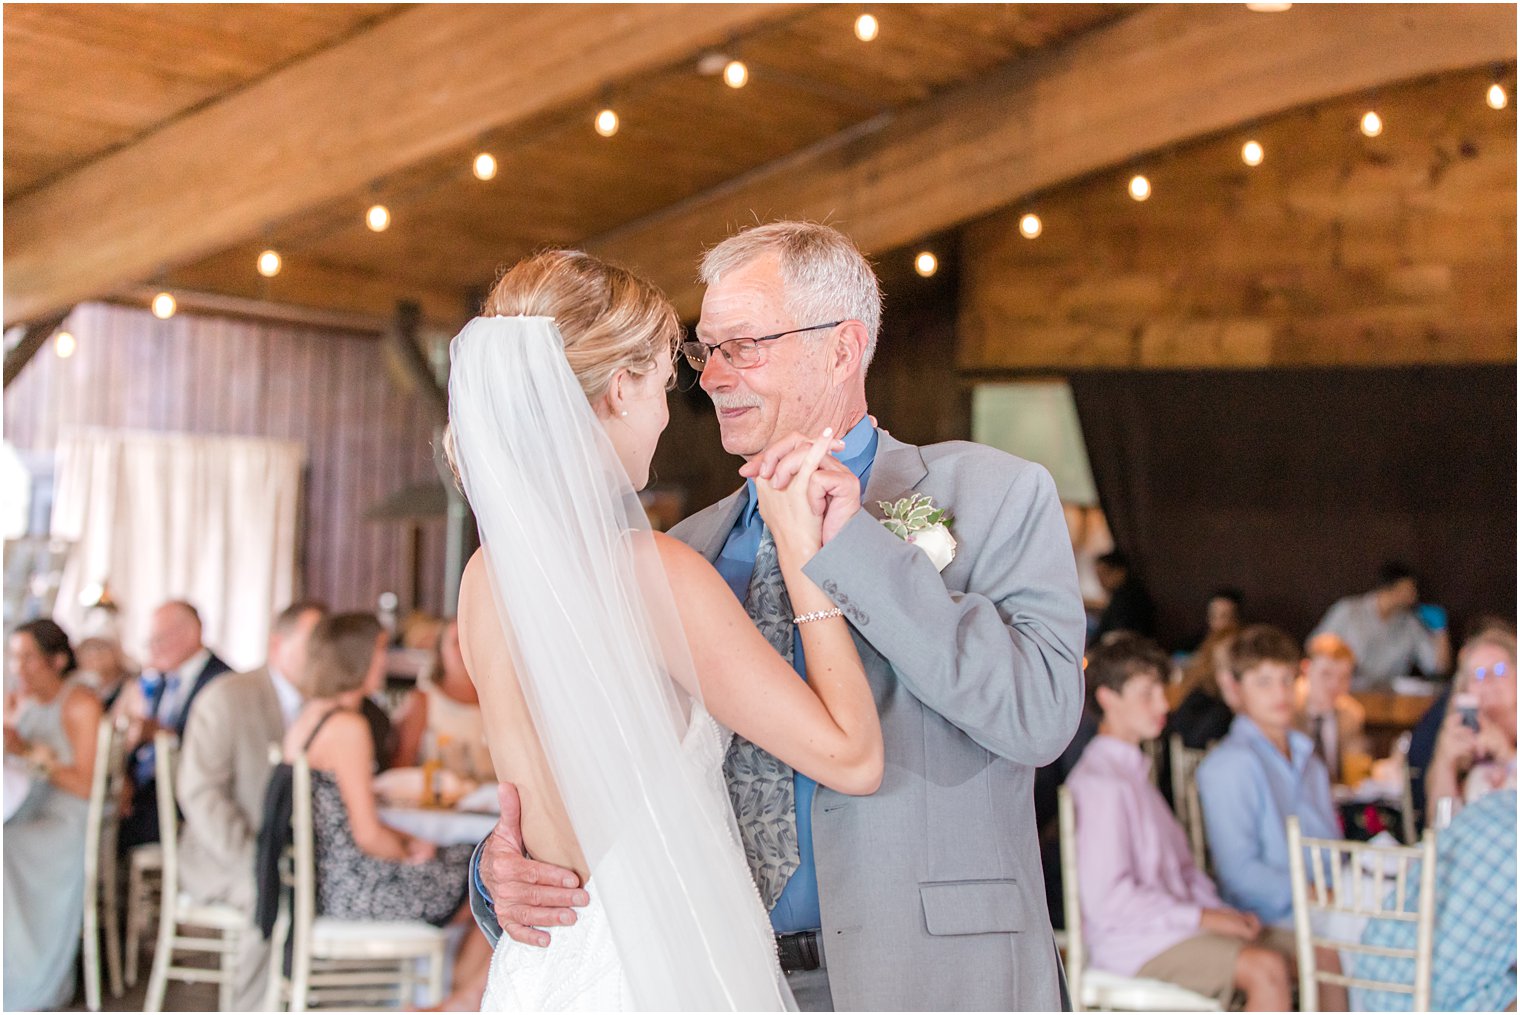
[(832, 491)]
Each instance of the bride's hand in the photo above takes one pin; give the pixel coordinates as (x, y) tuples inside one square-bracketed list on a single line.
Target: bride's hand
[(833, 490), (793, 515)]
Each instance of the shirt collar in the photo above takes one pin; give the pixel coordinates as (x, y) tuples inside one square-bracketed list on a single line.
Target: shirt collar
[(859, 451), (285, 693), (1120, 756), (1300, 747)]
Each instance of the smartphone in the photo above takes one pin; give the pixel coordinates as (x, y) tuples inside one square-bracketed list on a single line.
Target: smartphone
[(1467, 707)]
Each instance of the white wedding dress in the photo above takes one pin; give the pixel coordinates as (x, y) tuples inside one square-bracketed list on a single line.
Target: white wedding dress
[(581, 969)]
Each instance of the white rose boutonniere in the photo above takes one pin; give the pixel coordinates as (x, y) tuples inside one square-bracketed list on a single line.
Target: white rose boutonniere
[(916, 520)]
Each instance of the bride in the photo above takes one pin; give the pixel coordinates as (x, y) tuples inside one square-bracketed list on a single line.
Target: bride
[(613, 661)]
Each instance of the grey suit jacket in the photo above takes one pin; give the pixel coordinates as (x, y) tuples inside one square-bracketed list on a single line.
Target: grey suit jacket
[(931, 889), (223, 771)]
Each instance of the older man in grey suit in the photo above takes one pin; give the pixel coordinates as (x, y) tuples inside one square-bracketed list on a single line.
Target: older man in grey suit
[(223, 771), (929, 894)]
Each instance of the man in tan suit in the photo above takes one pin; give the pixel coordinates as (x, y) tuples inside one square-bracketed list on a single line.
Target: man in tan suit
[(1327, 712), (223, 770)]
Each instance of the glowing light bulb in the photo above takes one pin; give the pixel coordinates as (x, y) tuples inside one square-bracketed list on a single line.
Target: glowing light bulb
[(925, 263), (1139, 187), (164, 306), (1031, 226), (1251, 153), (378, 218), (64, 345), (867, 28), (735, 74), (1498, 98), (485, 166), (606, 123), (1268, 8), (269, 264), (1372, 124)]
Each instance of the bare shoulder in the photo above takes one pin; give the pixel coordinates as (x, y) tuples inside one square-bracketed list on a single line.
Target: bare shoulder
[(81, 707)]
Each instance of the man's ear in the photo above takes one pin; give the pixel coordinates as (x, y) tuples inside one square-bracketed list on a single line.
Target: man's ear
[(849, 349)]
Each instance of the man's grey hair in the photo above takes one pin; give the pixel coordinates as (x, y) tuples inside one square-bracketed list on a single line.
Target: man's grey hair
[(825, 276)]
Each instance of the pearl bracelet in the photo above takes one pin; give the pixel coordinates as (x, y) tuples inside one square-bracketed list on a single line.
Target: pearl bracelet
[(808, 618)]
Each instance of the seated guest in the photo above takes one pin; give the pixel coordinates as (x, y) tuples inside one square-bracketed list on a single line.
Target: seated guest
[(445, 706), (53, 729), (223, 771), (1129, 605), (1205, 706), (1325, 710), (1383, 630), (104, 668), (1473, 963), (179, 668), (1222, 615), (1257, 776), (365, 869), (1475, 752), (1147, 909)]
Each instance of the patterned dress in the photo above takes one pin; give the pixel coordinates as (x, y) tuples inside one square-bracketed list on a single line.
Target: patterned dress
[(352, 885)]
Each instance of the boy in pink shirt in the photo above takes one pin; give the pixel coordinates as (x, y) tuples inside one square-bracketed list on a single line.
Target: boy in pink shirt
[(1147, 910)]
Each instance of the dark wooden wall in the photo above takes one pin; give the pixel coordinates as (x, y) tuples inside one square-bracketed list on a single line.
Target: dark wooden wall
[(364, 437)]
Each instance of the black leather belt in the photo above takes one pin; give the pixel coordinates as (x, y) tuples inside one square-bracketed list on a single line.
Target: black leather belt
[(799, 952)]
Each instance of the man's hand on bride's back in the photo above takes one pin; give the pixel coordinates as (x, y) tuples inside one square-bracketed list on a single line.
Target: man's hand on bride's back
[(833, 490), (527, 894)]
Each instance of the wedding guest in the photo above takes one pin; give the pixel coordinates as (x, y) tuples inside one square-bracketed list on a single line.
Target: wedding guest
[(104, 668), (179, 668), (446, 706), (367, 870), (1129, 605), (1473, 963), (1206, 705), (1326, 711), (223, 771), (52, 729), (1385, 633), (1222, 614), (1147, 908), (1475, 752), (1257, 776)]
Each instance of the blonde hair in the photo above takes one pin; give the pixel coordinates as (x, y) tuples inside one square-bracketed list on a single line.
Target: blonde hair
[(609, 318), (1331, 646), (824, 275), (339, 654)]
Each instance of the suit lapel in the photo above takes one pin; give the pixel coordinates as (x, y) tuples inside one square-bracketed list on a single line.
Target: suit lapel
[(720, 521), (898, 468)]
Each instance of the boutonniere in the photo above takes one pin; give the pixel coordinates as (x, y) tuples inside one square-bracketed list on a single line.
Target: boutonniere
[(916, 520)]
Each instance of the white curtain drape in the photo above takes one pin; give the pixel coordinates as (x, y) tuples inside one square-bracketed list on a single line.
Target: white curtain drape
[(211, 520)]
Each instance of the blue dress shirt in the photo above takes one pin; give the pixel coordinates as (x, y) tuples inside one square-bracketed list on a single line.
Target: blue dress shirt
[(1248, 788), (797, 908)]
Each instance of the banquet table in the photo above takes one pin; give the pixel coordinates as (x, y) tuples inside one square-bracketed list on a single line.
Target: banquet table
[(440, 825)]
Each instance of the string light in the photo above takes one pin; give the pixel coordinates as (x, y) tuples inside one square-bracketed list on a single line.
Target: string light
[(64, 344), (485, 166), (1372, 124), (735, 74), (269, 264), (1251, 153), (1498, 98), (378, 218), (867, 27), (607, 122), (925, 263), (1139, 187), (1268, 8), (164, 306), (1031, 226)]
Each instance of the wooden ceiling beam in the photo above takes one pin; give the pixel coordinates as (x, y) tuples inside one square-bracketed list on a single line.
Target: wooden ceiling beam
[(1164, 75), (415, 86)]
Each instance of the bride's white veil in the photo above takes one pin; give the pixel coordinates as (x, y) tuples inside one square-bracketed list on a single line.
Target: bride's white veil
[(596, 644)]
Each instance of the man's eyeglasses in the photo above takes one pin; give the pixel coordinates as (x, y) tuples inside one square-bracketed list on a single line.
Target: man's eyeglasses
[(1483, 673), (741, 353)]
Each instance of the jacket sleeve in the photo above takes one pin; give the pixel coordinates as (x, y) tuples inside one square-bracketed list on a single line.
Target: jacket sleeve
[(206, 787), (1002, 661), (481, 906)]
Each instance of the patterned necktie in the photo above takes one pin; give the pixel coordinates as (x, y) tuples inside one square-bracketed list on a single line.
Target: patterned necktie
[(1327, 753), (759, 785)]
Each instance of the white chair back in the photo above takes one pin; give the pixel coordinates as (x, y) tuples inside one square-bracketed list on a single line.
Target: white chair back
[(165, 751), (1185, 762), (1071, 899), (100, 863), (1360, 881)]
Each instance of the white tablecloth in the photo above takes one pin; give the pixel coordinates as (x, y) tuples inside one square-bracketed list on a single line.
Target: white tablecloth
[(18, 783), (444, 827)]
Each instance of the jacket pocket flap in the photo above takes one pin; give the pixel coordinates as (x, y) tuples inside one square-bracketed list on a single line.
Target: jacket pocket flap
[(972, 907)]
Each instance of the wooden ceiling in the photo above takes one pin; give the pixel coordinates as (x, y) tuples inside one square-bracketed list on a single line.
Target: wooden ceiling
[(196, 136)]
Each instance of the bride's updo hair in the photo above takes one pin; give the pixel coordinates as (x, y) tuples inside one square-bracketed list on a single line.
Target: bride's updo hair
[(609, 318)]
